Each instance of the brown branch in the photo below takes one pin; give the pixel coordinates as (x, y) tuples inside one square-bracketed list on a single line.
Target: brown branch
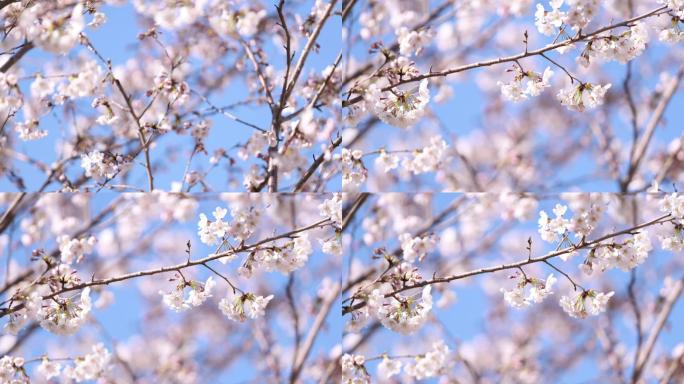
[(316, 163), (300, 359), (642, 145), (658, 326), (172, 268), (513, 58), (17, 55), (514, 265), (348, 216)]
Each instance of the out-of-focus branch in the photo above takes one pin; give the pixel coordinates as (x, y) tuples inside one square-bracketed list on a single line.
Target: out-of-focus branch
[(348, 214), (300, 359), (17, 56), (658, 326), (316, 163), (9, 214), (642, 145)]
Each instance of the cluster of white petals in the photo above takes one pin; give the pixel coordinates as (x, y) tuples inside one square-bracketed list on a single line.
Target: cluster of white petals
[(578, 15), (434, 363), (401, 314), (551, 229), (12, 370), (676, 6), (586, 303), (353, 369), (243, 224), (622, 48), (429, 158), (625, 256), (97, 164), (287, 258), (198, 294), (538, 290), (241, 307), (75, 249), (332, 208), (29, 130), (66, 317), (417, 247), (582, 96), (673, 204), (401, 107), (535, 84), (411, 42), (353, 171), (91, 366)]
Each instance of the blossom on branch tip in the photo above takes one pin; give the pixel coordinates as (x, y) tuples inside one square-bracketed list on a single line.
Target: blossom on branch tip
[(97, 164), (582, 96), (242, 307), (538, 291), (399, 107), (198, 294), (550, 229), (536, 83), (401, 314), (586, 303)]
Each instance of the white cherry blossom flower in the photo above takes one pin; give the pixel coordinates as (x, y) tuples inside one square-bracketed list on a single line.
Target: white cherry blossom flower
[(551, 229), (582, 96), (434, 363), (411, 41), (388, 368), (416, 247), (10, 367), (97, 165), (66, 317), (242, 307), (353, 370), (75, 249), (535, 84), (548, 21), (199, 293), (248, 22), (586, 303), (386, 161), (429, 158), (332, 208), (538, 291), (49, 369), (29, 131), (405, 316), (399, 107), (332, 246), (90, 366), (210, 232)]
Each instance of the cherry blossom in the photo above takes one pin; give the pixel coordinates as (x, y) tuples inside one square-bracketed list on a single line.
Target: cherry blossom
[(583, 96), (586, 303), (245, 306), (400, 108)]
